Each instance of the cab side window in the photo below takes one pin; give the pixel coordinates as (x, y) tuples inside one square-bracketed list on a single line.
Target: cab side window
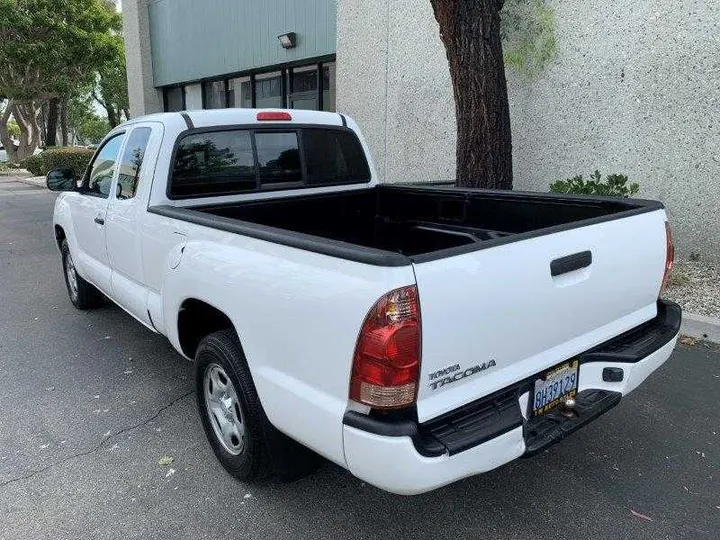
[(103, 167), (131, 162)]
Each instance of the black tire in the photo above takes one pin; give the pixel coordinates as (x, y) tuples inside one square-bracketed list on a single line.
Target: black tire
[(83, 295), (223, 349), (267, 450)]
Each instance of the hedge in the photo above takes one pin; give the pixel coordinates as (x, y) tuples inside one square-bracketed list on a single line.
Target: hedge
[(71, 157)]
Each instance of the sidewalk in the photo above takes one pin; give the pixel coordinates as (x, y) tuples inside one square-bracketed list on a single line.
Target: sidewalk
[(38, 181)]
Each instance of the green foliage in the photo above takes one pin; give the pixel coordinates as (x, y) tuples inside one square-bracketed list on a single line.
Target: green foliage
[(89, 127), (34, 164), (112, 89), (48, 47), (74, 158), (615, 185), (528, 32), (92, 129), (14, 129)]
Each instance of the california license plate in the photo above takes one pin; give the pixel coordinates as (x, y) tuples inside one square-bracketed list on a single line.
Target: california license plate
[(558, 385)]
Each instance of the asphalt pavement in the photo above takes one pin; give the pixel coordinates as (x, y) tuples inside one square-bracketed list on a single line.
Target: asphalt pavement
[(91, 402)]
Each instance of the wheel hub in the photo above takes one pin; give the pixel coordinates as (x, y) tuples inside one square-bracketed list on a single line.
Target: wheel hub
[(224, 409)]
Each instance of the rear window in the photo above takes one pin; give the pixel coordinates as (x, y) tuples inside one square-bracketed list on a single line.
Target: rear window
[(278, 156), (333, 157), (246, 160)]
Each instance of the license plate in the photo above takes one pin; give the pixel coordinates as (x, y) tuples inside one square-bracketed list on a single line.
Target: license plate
[(558, 385)]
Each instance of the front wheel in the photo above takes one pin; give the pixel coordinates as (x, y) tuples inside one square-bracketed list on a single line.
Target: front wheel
[(82, 294)]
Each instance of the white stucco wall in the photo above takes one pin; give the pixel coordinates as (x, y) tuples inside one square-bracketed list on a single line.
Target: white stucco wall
[(635, 89)]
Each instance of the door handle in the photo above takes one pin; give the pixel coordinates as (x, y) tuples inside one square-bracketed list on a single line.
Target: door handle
[(573, 262), (99, 220)]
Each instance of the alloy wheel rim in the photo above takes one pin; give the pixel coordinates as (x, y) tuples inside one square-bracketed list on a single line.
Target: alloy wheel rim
[(71, 276), (224, 410)]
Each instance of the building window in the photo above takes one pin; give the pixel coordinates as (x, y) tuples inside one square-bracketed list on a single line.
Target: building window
[(240, 93), (193, 97), (303, 88), (215, 95), (174, 99), (268, 91), (328, 88), (299, 87)]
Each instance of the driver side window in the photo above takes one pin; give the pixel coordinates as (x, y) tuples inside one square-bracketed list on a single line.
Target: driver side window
[(101, 170)]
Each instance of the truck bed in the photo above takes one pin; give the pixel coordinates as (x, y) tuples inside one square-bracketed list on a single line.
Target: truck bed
[(419, 222)]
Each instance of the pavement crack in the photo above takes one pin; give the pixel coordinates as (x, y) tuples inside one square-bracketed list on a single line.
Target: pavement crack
[(98, 446)]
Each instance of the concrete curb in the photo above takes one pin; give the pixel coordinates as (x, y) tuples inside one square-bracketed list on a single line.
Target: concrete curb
[(16, 173), (38, 181), (701, 327)]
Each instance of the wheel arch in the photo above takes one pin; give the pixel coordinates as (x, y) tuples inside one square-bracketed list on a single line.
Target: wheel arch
[(196, 319), (59, 235)]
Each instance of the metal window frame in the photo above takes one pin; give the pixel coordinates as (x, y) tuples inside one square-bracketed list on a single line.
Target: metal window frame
[(285, 69)]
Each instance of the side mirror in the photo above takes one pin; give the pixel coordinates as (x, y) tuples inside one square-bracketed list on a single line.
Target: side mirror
[(61, 180)]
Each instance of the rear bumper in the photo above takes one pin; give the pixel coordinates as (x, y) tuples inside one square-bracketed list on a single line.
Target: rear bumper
[(408, 458)]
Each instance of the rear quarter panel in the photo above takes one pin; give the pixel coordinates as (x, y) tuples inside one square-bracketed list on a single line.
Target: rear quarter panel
[(297, 315)]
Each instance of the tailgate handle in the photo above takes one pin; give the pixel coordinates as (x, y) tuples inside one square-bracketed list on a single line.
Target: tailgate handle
[(573, 262)]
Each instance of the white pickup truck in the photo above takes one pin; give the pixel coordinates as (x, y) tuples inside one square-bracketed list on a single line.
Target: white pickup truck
[(412, 334)]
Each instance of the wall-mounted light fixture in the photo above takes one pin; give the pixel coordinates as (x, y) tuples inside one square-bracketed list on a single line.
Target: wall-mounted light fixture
[(288, 40)]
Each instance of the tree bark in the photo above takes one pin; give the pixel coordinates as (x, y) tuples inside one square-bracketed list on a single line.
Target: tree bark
[(26, 116), (52, 122), (112, 114), (5, 138), (64, 122), (470, 31), (42, 121)]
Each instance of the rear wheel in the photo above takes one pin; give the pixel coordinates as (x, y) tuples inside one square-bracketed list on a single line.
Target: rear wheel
[(242, 438), (82, 294), (229, 407)]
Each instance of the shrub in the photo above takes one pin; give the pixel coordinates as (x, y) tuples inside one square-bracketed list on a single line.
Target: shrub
[(74, 158), (34, 164), (615, 185)]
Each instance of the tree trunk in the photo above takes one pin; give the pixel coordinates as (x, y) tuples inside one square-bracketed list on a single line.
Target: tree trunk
[(52, 122), (5, 138), (112, 116), (26, 116), (42, 122), (470, 30), (64, 122)]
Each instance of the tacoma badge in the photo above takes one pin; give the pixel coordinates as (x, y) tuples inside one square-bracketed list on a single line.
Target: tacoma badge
[(441, 380)]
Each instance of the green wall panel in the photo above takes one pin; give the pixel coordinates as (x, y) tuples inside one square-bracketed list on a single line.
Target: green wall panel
[(195, 39)]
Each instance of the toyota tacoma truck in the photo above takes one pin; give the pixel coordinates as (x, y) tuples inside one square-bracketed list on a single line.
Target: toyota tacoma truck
[(412, 334)]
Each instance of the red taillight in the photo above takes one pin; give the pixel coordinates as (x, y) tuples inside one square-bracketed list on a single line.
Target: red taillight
[(386, 365), (273, 116), (669, 254)]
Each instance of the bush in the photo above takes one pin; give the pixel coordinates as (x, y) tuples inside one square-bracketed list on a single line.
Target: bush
[(34, 164), (74, 158), (615, 185)]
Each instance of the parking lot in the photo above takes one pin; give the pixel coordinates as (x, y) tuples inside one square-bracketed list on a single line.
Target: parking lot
[(91, 402)]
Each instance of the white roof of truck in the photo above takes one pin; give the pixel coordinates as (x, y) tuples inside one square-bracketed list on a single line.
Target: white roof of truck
[(224, 117)]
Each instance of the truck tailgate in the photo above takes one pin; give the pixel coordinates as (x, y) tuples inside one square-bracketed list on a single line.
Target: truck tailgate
[(496, 316)]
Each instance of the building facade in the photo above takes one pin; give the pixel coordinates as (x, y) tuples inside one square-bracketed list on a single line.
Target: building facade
[(634, 88), (185, 54)]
